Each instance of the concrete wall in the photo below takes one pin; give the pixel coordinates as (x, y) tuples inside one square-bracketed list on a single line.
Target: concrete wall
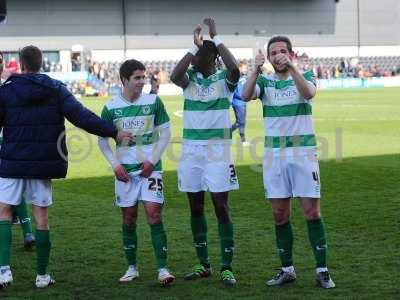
[(158, 24)]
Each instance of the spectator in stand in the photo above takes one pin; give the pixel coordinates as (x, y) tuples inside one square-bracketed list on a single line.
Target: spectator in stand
[(46, 65), (163, 76), (12, 66), (155, 82)]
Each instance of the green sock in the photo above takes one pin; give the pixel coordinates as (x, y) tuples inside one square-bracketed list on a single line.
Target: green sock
[(227, 245), (5, 242), (199, 231), (129, 240), (159, 240), (43, 246), (284, 242), (316, 234), (22, 213)]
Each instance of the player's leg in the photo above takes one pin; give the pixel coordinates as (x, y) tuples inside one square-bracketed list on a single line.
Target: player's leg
[(152, 195), (127, 194), (43, 246), (159, 240), (39, 194), (190, 181), (278, 191), (5, 244), (198, 223), (129, 241), (236, 124), (317, 237), (284, 240), (306, 185), (241, 120), (21, 211), (220, 177), (10, 195), (225, 230)]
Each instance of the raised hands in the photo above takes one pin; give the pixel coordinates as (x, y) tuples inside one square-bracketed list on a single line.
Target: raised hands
[(283, 61), (212, 30), (259, 61), (197, 37)]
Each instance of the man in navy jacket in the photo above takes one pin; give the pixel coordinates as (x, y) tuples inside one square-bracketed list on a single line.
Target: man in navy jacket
[(33, 108)]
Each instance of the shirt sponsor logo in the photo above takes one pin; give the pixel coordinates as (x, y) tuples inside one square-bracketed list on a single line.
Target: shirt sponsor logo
[(133, 124), (205, 91), (118, 113), (278, 95)]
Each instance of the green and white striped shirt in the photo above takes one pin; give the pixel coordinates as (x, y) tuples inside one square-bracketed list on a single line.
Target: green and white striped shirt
[(141, 117), (287, 115), (206, 108)]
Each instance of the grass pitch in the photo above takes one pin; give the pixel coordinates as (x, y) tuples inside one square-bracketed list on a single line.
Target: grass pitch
[(359, 137)]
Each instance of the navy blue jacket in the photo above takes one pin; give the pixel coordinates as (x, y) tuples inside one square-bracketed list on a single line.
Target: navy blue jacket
[(33, 108)]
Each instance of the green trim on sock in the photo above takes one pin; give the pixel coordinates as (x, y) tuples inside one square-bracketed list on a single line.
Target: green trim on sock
[(227, 245), (316, 235), (129, 241), (5, 242), (199, 233), (22, 213), (284, 243), (159, 241), (43, 247)]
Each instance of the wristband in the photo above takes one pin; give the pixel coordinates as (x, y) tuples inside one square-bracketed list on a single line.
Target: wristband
[(194, 50), (217, 40)]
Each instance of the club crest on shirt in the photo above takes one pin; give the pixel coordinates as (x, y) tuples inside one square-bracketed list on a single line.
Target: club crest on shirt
[(146, 110)]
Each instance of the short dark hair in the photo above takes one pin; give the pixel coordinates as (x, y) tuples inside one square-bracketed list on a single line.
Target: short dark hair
[(209, 48), (280, 38), (30, 58), (128, 67), (206, 55)]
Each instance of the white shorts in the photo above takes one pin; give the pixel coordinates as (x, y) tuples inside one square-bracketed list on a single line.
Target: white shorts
[(291, 176), (35, 191), (207, 168), (139, 188)]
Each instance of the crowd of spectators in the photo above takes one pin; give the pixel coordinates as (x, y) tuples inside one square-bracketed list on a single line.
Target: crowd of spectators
[(158, 72), (322, 68), (363, 67), (108, 72)]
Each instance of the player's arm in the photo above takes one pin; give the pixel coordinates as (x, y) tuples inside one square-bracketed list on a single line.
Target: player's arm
[(119, 170), (179, 76), (229, 60), (104, 145), (85, 119), (163, 133), (250, 91), (306, 89)]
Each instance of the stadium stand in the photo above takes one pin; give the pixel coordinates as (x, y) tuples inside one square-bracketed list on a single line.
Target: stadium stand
[(103, 76)]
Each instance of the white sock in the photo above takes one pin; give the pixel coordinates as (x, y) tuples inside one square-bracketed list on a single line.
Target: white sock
[(319, 270), (289, 269)]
